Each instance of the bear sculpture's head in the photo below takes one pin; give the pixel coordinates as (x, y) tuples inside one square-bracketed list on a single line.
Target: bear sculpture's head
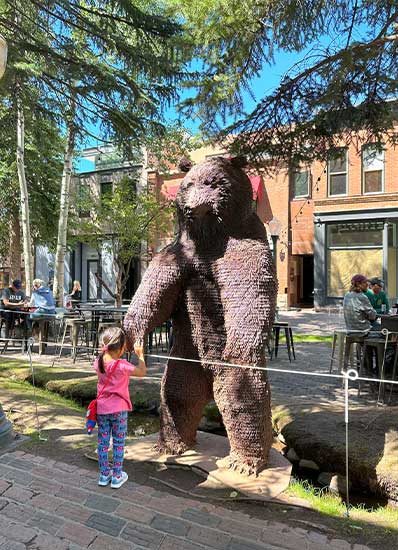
[(215, 196)]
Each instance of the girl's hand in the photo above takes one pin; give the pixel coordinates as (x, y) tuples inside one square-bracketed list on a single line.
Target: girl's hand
[(139, 350)]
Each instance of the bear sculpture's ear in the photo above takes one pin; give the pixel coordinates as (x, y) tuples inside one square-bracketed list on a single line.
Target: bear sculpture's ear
[(185, 164), (239, 161)]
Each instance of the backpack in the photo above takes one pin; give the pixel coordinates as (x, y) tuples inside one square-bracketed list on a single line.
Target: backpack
[(91, 413)]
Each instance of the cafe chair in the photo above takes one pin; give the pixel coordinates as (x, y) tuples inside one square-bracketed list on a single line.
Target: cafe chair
[(276, 329)]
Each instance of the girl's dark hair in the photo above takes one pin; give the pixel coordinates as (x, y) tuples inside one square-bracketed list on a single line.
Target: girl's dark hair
[(113, 338)]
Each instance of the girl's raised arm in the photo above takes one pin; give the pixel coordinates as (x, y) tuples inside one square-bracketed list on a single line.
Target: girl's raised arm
[(140, 369)]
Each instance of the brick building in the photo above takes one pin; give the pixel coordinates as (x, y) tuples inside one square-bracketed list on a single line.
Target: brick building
[(338, 218)]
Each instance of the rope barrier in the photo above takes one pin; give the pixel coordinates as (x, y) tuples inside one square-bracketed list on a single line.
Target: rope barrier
[(41, 437)]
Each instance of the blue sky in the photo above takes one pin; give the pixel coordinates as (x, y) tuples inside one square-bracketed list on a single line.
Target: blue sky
[(267, 81)]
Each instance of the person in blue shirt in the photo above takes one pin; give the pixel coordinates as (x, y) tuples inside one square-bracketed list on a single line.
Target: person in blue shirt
[(377, 296), (42, 299)]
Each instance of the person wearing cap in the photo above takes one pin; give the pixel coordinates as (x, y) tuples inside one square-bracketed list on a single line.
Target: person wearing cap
[(359, 315), (377, 296), (13, 299)]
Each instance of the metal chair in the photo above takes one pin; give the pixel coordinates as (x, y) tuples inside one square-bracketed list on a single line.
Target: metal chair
[(276, 328)]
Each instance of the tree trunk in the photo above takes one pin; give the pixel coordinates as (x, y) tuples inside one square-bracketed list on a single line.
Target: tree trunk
[(119, 287), (59, 275), (15, 256), (27, 242)]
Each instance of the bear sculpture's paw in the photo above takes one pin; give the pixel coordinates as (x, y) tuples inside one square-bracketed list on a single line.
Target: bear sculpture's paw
[(247, 466), (169, 448)]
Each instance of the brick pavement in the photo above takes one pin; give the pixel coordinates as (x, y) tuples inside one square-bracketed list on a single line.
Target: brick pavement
[(48, 505)]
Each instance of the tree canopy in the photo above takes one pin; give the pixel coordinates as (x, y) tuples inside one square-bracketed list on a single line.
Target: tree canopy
[(344, 84)]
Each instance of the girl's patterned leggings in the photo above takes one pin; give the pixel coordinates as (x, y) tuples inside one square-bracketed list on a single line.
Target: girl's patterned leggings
[(116, 425)]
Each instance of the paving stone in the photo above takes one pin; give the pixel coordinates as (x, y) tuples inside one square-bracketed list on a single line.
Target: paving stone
[(21, 464), (16, 530), (48, 542), (6, 544), (18, 511), (107, 524), (74, 512), (319, 538), (142, 535), (174, 505), (210, 537), (71, 493), (241, 544), (45, 486), (64, 467), (199, 516), (4, 485), (104, 504), (46, 522), (360, 547), (172, 543), (103, 542), (136, 513), (3, 503), (340, 544), (80, 534), (5, 459), (170, 525), (245, 530), (19, 476), (46, 502), (18, 493)]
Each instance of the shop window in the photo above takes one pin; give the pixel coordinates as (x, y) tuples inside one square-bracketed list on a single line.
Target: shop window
[(352, 248), (338, 172), (301, 184), (372, 169)]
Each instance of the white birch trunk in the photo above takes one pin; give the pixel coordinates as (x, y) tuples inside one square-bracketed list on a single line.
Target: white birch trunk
[(59, 275), (25, 221)]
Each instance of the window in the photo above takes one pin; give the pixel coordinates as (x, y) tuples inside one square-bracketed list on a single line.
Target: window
[(83, 200), (106, 190), (337, 172), (353, 247), (300, 184), (372, 169)]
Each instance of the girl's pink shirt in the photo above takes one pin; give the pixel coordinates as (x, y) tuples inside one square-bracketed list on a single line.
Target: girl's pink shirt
[(116, 396)]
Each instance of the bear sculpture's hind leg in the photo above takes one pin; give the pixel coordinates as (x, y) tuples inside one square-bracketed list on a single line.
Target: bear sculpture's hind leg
[(243, 398), (185, 390)]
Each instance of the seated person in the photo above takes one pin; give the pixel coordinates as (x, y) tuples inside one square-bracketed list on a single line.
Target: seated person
[(359, 314), (13, 299), (377, 296), (42, 299), (76, 294)]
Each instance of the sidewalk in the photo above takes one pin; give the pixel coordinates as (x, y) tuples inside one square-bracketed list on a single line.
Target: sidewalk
[(48, 505), (309, 321)]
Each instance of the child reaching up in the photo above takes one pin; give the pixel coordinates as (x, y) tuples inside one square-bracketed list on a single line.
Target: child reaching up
[(114, 402)]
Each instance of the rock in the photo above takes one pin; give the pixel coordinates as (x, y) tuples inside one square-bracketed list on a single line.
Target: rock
[(392, 503), (338, 485), (292, 455), (325, 478), (309, 464), (374, 485), (281, 438)]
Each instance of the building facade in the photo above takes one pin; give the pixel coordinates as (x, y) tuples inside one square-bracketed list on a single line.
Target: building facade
[(337, 218)]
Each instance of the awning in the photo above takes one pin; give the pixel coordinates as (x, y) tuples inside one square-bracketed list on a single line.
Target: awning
[(171, 191), (256, 182)]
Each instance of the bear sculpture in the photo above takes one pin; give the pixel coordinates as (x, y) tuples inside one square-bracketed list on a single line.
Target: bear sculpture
[(217, 283)]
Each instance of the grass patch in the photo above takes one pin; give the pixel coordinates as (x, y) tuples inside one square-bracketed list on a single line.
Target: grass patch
[(43, 396), (367, 520), (300, 338)]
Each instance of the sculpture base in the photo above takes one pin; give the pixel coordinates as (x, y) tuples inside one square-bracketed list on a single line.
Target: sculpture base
[(207, 459), (6, 432)]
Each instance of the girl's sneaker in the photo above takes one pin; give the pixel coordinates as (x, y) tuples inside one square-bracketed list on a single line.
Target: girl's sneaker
[(118, 481), (105, 480)]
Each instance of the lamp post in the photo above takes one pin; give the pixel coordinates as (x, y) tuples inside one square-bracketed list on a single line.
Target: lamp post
[(275, 227), (6, 434)]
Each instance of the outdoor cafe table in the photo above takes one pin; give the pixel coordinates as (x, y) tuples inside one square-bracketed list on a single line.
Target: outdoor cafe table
[(97, 312)]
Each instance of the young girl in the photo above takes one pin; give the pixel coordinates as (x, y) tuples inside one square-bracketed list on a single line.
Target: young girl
[(114, 402)]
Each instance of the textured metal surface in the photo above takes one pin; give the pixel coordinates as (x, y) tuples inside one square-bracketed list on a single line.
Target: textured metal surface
[(217, 283)]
